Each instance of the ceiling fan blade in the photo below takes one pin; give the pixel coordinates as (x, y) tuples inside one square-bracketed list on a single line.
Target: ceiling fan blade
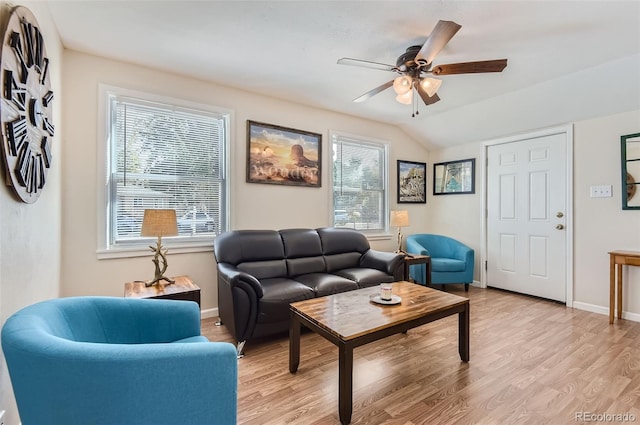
[(366, 64), (496, 65), (373, 92), (440, 36), (428, 100)]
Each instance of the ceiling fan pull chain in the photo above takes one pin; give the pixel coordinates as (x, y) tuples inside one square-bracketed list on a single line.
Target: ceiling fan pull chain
[(413, 102)]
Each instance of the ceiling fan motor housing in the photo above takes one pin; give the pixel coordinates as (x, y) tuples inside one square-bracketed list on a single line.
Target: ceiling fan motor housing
[(407, 59)]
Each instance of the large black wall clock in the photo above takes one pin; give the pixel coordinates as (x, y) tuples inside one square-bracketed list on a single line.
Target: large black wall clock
[(25, 110)]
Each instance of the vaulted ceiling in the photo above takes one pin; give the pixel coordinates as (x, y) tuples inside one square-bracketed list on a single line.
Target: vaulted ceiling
[(567, 60)]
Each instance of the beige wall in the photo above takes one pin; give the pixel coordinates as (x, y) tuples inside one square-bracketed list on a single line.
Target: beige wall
[(600, 224), (30, 233), (252, 205), (48, 249), (457, 216)]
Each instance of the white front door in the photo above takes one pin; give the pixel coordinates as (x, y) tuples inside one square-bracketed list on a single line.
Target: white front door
[(527, 216)]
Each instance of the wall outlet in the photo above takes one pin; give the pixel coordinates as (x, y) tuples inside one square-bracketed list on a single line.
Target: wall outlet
[(602, 191)]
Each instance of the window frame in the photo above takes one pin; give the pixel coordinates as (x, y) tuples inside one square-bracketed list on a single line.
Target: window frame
[(377, 143), (139, 247)]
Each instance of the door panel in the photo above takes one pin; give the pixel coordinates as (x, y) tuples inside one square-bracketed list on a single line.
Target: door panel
[(526, 189)]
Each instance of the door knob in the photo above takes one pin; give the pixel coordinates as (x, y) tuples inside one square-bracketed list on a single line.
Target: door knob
[(559, 227)]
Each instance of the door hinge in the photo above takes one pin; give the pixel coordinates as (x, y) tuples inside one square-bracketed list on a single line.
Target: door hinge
[(486, 265)]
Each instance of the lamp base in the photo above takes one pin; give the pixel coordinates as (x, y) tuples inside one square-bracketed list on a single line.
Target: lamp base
[(157, 281), (160, 256)]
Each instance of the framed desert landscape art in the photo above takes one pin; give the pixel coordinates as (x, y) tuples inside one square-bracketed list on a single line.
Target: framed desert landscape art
[(412, 182), (284, 156)]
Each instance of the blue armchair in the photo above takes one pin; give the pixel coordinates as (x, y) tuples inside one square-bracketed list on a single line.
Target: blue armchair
[(451, 260), (104, 360)]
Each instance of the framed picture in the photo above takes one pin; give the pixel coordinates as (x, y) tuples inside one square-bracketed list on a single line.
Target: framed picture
[(454, 177), (285, 156), (412, 182)]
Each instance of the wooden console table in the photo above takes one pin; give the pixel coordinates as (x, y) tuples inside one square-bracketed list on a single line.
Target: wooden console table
[(617, 259), (183, 289)]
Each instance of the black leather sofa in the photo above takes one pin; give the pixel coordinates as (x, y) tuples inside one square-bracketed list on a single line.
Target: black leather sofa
[(261, 271)]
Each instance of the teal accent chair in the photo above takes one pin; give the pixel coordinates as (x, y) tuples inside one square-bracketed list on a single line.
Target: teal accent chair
[(451, 260), (109, 360)]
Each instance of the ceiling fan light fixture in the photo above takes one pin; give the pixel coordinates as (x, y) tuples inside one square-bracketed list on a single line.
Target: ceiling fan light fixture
[(405, 98), (402, 85), (430, 85)]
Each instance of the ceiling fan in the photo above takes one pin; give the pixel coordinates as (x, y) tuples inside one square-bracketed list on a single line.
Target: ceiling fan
[(414, 64)]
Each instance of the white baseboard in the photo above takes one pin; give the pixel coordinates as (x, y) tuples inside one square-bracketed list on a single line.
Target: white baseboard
[(210, 312), (634, 317)]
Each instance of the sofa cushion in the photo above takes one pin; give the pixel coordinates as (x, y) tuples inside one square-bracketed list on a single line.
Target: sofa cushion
[(300, 266), (342, 261), (327, 284), (199, 338), (303, 251), (301, 243), (264, 269), (337, 241), (365, 277), (241, 246), (278, 294), (447, 265)]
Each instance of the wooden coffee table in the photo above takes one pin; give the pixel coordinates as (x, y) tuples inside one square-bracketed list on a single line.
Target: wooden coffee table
[(350, 320)]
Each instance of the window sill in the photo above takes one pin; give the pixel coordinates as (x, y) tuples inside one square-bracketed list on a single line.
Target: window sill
[(379, 236), (145, 251)]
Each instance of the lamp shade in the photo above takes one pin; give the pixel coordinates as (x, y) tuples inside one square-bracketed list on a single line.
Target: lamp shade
[(159, 223), (430, 85), (402, 85), (399, 218), (405, 98)]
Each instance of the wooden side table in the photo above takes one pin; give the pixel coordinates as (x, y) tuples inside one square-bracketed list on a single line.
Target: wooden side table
[(616, 260), (182, 289), (413, 259)]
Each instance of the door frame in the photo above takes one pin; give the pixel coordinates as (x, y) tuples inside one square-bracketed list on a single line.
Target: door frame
[(567, 131)]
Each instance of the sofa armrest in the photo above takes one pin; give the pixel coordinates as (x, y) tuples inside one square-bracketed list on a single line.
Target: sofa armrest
[(239, 295), (235, 277), (469, 258), (413, 247), (388, 262), (462, 252)]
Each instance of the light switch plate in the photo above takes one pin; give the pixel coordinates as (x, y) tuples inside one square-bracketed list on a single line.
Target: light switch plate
[(602, 191)]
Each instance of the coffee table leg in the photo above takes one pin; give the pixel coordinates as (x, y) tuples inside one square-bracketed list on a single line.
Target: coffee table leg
[(345, 385), (463, 333), (294, 343)]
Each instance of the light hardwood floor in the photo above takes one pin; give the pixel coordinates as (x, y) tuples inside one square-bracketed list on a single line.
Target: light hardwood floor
[(532, 362)]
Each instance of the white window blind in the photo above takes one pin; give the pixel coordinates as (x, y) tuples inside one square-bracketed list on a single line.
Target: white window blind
[(164, 156), (359, 184)]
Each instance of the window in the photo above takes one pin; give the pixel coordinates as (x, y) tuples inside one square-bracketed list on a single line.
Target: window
[(162, 154), (359, 183)]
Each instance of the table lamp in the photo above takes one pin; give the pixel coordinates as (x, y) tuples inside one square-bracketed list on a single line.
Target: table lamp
[(159, 223), (400, 219)]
